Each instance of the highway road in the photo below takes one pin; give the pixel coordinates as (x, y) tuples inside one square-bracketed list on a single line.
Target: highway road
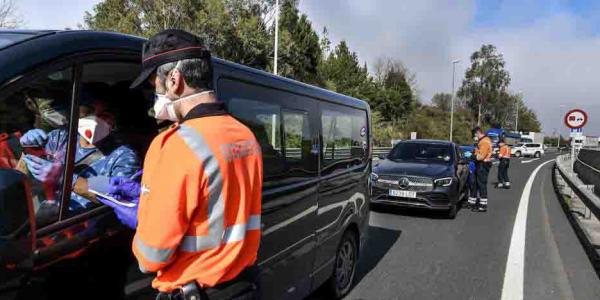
[(421, 255)]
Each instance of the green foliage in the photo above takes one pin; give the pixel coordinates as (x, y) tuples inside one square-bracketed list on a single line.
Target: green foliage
[(299, 46), (442, 101)]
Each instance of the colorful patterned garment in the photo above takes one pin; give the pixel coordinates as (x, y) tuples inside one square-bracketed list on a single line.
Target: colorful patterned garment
[(118, 161)]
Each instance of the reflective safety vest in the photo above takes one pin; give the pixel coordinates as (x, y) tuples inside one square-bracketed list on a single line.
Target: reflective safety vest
[(484, 149), (504, 152), (200, 203)]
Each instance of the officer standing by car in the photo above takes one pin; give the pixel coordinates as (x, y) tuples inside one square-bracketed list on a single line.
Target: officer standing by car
[(198, 222), (504, 157), (483, 164)]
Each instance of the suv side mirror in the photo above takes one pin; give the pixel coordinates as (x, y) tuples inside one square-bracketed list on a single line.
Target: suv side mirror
[(17, 223)]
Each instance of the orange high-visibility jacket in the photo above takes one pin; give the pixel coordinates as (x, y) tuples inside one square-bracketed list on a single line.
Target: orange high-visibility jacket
[(200, 203), (504, 151), (484, 149)]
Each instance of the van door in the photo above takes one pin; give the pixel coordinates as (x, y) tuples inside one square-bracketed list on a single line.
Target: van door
[(343, 190), (285, 127)]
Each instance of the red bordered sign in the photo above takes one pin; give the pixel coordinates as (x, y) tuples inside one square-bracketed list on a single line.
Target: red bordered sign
[(576, 118)]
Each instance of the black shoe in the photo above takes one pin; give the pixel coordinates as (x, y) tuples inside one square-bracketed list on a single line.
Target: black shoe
[(475, 207), (482, 208)]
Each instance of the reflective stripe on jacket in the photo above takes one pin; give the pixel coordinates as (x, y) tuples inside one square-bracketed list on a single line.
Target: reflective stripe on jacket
[(505, 151), (199, 213), (484, 149)]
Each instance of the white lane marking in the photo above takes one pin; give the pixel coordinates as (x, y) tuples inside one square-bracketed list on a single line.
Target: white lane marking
[(528, 161), (512, 289)]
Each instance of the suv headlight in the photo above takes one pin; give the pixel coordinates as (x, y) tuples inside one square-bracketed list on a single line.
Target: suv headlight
[(374, 177), (443, 181)]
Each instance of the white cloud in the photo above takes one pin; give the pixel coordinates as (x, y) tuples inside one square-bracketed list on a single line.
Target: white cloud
[(552, 59)]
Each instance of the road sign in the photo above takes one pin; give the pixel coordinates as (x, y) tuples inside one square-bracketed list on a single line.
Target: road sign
[(576, 118), (576, 132)]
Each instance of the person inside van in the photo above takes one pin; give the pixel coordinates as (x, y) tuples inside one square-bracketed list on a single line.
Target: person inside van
[(97, 152)]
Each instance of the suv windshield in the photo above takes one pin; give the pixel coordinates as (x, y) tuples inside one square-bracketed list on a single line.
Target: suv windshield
[(427, 152), (7, 39)]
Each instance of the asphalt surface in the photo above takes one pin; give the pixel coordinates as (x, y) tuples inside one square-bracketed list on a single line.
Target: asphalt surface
[(415, 254)]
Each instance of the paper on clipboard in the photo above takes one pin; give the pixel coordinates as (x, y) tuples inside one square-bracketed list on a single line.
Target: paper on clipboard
[(113, 200)]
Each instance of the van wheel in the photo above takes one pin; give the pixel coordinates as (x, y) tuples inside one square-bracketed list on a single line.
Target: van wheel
[(346, 260), (537, 155), (518, 154)]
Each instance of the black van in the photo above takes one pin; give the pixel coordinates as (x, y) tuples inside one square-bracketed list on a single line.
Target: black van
[(317, 163)]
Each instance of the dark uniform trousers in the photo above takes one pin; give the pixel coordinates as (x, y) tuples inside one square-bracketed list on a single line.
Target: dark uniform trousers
[(503, 171), (482, 170)]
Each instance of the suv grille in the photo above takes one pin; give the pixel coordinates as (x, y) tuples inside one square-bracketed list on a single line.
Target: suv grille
[(415, 183)]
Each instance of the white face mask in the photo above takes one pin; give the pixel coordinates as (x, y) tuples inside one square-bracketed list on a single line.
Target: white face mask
[(164, 108), (93, 129), (54, 118)]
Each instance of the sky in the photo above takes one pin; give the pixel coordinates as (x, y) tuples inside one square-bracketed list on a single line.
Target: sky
[(551, 47)]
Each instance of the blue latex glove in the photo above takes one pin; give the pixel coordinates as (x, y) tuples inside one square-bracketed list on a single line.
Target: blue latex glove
[(125, 188), (127, 215), (128, 189), (34, 137), (41, 169)]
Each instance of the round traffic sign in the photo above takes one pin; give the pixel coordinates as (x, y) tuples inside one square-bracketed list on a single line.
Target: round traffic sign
[(576, 118)]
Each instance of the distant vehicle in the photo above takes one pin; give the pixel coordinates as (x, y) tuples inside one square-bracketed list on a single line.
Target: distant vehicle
[(422, 174), (512, 138), (532, 137), (529, 149)]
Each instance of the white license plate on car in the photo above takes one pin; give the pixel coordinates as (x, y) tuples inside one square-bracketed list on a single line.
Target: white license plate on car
[(403, 194)]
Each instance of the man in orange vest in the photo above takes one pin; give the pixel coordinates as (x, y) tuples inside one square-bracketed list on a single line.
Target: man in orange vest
[(504, 157), (483, 164), (198, 222)]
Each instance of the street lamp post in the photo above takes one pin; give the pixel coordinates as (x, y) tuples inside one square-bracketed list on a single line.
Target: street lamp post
[(276, 36), (452, 99), (517, 112)]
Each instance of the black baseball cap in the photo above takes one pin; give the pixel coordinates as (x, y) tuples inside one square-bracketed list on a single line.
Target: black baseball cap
[(167, 46)]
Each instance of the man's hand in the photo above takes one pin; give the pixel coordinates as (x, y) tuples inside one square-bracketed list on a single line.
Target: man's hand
[(127, 215), (43, 170), (126, 189), (34, 137)]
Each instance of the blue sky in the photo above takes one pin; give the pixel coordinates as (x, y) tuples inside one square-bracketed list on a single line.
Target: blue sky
[(551, 47)]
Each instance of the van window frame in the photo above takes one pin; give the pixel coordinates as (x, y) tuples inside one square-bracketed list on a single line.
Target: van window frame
[(75, 61)]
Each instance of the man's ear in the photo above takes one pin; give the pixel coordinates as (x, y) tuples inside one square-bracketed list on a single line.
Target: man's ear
[(177, 81)]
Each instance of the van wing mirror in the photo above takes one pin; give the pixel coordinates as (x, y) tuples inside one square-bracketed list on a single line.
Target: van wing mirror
[(17, 223)]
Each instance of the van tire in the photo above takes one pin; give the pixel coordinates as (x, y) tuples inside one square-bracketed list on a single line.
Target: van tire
[(518, 154), (344, 269), (537, 155)]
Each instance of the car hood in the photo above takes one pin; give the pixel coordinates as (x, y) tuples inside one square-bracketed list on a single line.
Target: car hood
[(390, 167)]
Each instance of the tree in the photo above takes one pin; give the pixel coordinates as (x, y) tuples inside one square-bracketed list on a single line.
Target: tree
[(342, 72), (486, 81), (8, 15), (234, 29), (299, 45), (395, 97), (442, 101)]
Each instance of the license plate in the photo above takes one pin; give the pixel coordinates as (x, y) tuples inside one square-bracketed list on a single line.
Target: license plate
[(403, 194)]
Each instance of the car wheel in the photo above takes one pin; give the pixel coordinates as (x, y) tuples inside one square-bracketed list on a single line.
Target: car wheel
[(518, 154), (537, 155), (346, 259), (451, 214)]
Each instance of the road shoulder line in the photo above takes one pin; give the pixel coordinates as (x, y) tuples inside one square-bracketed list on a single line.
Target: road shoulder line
[(512, 287)]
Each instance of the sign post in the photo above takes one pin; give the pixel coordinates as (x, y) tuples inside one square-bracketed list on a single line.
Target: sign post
[(575, 119)]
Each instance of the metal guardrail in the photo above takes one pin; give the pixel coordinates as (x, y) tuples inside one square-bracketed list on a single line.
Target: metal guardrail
[(587, 167), (589, 199)]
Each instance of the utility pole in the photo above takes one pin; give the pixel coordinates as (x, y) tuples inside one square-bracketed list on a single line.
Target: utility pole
[(452, 99), (276, 36)]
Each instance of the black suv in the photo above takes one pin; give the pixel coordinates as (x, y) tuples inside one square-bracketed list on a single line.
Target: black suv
[(421, 173)]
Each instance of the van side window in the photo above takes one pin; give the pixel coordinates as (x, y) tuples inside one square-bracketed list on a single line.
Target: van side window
[(284, 136), (345, 137), (34, 128)]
